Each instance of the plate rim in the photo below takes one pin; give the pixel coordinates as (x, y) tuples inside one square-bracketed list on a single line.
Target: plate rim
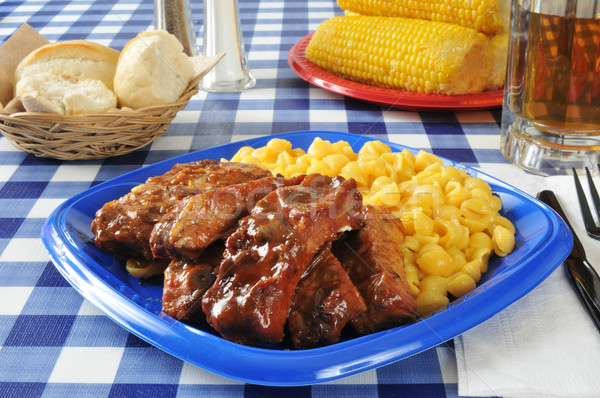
[(398, 99), (371, 351)]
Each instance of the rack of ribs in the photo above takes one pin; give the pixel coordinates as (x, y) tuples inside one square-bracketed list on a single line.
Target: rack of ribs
[(196, 222), (325, 301), (250, 252), (123, 226), (372, 257), (267, 255)]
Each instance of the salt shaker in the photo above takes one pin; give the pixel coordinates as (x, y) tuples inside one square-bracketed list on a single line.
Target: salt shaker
[(223, 33)]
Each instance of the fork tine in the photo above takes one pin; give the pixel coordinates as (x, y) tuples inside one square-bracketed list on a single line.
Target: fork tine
[(593, 192), (588, 220)]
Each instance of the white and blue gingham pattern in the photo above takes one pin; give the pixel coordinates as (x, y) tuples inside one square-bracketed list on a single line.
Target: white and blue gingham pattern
[(53, 343)]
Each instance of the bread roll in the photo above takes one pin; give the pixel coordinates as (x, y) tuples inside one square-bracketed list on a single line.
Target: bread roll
[(152, 70), (65, 94), (81, 59)]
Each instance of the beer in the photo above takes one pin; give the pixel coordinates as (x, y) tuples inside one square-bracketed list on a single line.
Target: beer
[(561, 81)]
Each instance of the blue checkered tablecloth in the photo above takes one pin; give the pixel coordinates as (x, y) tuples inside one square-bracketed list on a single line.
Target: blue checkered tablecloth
[(54, 343)]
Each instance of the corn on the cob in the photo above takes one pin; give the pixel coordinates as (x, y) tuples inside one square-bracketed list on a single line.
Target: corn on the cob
[(402, 53), (499, 49), (486, 16)]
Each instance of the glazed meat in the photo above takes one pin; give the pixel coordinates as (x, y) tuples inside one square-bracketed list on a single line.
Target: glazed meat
[(267, 255), (325, 301), (196, 222), (249, 253), (186, 282), (372, 256), (123, 226)]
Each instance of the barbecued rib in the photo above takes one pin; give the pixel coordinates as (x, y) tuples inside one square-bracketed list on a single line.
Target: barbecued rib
[(325, 301), (372, 256), (267, 255), (186, 282), (123, 226), (196, 222)]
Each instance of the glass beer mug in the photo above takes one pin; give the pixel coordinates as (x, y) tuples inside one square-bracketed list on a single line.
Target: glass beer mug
[(551, 110)]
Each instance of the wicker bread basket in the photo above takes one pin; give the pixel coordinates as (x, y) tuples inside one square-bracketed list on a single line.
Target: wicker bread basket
[(82, 136), (92, 136)]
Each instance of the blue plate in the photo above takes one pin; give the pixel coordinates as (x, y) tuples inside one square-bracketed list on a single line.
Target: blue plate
[(542, 243)]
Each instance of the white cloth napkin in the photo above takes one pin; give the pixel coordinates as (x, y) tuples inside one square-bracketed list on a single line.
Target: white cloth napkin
[(544, 345)]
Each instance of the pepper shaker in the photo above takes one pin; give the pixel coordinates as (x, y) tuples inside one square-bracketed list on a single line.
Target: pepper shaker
[(175, 16)]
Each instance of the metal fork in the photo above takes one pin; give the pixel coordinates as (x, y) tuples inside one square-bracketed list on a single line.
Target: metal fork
[(591, 227)]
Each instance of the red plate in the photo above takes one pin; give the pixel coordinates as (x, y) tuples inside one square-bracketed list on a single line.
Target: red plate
[(383, 96)]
